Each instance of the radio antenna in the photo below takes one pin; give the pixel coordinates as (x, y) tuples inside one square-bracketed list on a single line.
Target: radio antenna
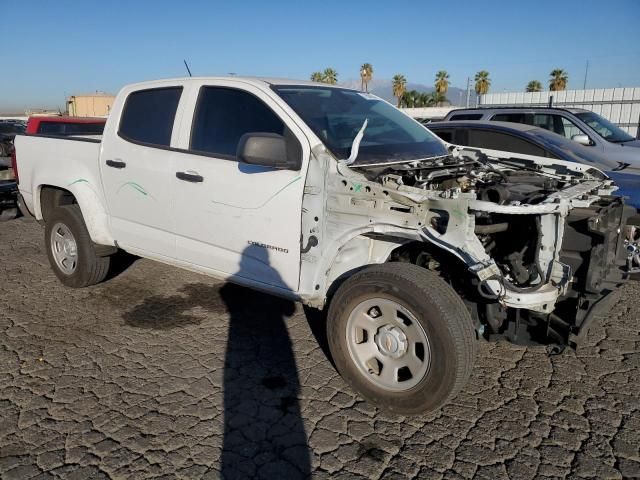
[(188, 69)]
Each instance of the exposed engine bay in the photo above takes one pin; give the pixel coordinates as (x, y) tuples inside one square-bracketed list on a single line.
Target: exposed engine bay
[(534, 247)]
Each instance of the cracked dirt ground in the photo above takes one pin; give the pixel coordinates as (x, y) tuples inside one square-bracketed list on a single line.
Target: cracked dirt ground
[(162, 372)]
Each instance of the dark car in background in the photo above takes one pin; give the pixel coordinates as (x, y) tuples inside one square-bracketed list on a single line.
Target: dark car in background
[(8, 131), (582, 126), (530, 140)]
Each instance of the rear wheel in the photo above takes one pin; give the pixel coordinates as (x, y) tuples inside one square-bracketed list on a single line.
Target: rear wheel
[(402, 337), (71, 252)]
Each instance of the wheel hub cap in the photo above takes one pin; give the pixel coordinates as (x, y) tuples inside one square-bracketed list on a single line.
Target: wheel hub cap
[(391, 341), (64, 248), (388, 344)]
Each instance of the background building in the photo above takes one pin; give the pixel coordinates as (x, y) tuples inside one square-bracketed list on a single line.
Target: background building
[(90, 105)]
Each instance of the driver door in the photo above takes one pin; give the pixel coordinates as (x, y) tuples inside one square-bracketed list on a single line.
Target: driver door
[(232, 218)]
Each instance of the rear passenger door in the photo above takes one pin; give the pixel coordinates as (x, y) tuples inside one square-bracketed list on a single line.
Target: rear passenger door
[(137, 170), (232, 218)]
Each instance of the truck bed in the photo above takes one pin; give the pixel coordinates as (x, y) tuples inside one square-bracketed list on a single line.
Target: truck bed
[(49, 159)]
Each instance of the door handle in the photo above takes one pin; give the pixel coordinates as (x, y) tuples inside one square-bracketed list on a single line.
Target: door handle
[(116, 163), (190, 176)]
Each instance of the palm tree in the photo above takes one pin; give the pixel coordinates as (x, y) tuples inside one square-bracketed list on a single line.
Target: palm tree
[(317, 77), (559, 79), (399, 87), (330, 76), (366, 74), (415, 99), (437, 98), (425, 100), (534, 86), (409, 99), (442, 82), (483, 82)]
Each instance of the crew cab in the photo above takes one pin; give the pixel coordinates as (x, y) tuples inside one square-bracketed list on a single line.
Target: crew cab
[(335, 198)]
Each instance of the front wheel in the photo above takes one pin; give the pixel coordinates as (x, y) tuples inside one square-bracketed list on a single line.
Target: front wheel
[(401, 337), (71, 252)]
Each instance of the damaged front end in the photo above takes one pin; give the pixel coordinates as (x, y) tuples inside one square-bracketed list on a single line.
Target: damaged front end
[(535, 247)]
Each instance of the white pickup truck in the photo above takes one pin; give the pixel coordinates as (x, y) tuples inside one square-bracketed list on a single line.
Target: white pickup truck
[(335, 198)]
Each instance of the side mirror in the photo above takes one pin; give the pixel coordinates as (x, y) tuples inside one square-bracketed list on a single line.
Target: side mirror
[(269, 150), (582, 140)]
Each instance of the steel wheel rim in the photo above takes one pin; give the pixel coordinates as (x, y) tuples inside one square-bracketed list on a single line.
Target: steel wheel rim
[(388, 344), (64, 248)]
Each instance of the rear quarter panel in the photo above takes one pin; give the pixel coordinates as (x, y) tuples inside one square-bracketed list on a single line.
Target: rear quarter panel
[(69, 164)]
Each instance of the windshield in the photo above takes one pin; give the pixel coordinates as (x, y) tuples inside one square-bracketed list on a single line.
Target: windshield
[(604, 127), (336, 115), (571, 151)]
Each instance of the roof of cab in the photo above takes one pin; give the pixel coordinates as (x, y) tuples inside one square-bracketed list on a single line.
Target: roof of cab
[(503, 108), (250, 80)]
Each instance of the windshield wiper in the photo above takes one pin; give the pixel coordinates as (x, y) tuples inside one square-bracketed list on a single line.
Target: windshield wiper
[(355, 146)]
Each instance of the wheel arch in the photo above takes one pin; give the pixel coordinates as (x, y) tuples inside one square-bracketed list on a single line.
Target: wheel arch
[(358, 253), (94, 214)]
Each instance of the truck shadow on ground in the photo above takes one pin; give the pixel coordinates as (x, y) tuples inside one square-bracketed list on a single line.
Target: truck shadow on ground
[(120, 262), (264, 434)]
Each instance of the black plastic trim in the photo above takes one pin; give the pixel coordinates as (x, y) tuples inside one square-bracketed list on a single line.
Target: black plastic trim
[(61, 137)]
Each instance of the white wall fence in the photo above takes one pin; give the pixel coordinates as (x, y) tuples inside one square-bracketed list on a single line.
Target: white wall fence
[(432, 113), (618, 105)]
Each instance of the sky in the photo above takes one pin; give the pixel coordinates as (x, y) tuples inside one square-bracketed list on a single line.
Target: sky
[(55, 48)]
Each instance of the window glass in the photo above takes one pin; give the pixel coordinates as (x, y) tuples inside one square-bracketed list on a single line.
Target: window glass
[(605, 128), (544, 120), (510, 117), (569, 129), (61, 128), (466, 116), (11, 127), (223, 115), (502, 141), (336, 115), (148, 115), (446, 135)]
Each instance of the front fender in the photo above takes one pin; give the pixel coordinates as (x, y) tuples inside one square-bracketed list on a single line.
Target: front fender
[(360, 251)]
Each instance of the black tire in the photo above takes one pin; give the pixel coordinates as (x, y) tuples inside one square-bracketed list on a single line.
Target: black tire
[(441, 313), (91, 268)]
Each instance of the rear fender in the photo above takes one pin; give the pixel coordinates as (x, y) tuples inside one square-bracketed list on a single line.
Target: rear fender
[(93, 210)]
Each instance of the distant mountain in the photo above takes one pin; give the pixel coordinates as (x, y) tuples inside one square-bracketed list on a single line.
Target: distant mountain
[(383, 88)]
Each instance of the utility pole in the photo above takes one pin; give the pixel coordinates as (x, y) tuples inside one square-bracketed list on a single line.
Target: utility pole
[(586, 70), (468, 90)]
